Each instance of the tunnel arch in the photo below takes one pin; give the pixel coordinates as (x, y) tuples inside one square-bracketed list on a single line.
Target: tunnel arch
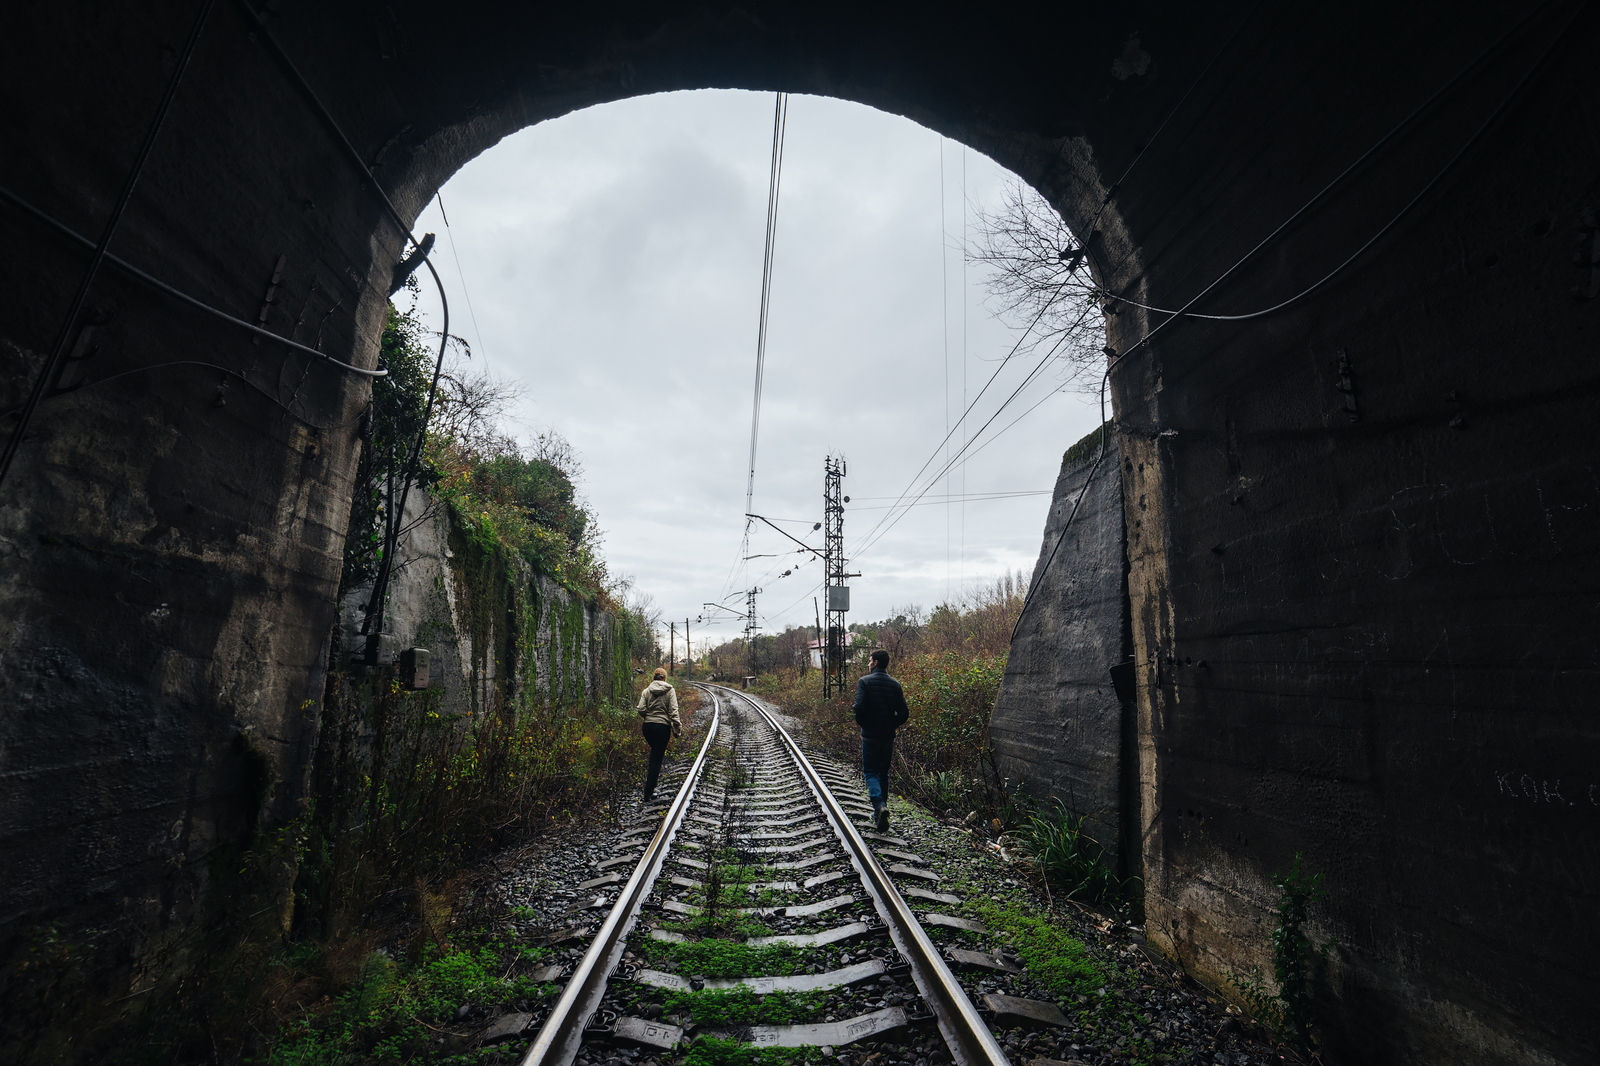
[(1353, 596)]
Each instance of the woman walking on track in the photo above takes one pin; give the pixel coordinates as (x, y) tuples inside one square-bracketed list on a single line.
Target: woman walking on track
[(658, 706)]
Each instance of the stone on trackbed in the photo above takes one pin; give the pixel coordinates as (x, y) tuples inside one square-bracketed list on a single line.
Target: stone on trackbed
[(1013, 1011)]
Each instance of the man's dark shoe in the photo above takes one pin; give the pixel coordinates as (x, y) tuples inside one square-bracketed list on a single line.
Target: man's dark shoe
[(880, 818)]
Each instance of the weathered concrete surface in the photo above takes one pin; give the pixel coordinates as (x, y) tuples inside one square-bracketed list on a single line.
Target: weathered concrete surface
[(565, 652), (1058, 725), (1398, 621)]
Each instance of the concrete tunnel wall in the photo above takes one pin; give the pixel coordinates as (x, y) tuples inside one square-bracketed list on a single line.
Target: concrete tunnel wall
[(1371, 515), (1059, 727)]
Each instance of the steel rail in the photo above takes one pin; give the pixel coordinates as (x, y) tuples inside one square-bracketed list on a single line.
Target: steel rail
[(964, 1031), (562, 1032)]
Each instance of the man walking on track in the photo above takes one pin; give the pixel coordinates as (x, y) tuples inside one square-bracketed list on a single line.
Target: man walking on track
[(880, 710)]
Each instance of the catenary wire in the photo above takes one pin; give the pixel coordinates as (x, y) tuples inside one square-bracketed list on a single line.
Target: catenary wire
[(1401, 214), (867, 542), (774, 184), (774, 187), (75, 308), (1003, 363), (466, 293), (1112, 363), (1183, 312), (944, 340), (1109, 196)]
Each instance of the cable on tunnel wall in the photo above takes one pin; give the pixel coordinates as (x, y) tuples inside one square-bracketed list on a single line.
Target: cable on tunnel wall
[(1434, 181), (380, 587), (58, 349), (178, 294)]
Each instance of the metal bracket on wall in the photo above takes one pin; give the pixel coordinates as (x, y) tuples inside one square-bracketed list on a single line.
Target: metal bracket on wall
[(270, 298), (1347, 386)]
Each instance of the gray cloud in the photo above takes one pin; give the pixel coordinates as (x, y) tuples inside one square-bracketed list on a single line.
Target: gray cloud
[(613, 259)]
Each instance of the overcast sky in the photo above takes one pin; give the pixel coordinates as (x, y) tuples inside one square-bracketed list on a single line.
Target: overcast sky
[(613, 263)]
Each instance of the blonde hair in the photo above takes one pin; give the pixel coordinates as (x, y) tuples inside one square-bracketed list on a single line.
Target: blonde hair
[(661, 673)]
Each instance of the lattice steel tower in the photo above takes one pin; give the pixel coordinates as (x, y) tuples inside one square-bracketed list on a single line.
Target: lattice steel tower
[(750, 628), (836, 591)]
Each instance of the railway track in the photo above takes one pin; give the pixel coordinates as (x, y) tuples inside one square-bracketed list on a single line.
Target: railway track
[(759, 879)]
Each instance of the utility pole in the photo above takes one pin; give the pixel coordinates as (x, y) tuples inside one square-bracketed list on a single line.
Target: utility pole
[(835, 591), (750, 626), (688, 649), (672, 644)]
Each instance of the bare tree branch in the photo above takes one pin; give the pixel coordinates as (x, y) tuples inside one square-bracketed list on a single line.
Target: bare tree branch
[(1036, 273)]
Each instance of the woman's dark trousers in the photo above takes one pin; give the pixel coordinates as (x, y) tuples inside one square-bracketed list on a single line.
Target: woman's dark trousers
[(656, 735)]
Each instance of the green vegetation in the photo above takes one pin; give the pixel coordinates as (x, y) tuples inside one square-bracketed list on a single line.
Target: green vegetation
[(1072, 862), (1294, 958), (1089, 446), (742, 1006), (710, 1051), (721, 923), (724, 958), (1052, 957), (389, 428), (394, 1009), (519, 496), (408, 789), (950, 662), (527, 504)]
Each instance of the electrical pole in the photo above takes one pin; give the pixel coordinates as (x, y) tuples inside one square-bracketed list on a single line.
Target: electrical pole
[(750, 627), (672, 644), (835, 591), (688, 650)]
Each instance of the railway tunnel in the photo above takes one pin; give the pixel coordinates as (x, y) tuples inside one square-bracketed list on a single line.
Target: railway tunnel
[(1359, 502)]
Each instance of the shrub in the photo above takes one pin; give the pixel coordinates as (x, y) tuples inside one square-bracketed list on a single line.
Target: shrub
[(1072, 862), (1294, 958)]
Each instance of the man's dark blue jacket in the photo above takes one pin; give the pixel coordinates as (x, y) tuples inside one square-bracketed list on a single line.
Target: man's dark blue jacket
[(880, 705)]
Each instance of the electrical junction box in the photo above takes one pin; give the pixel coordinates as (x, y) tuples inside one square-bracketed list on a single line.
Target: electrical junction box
[(414, 668), (838, 597)]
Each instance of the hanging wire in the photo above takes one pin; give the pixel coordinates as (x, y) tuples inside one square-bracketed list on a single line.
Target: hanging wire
[(1405, 210), (780, 121), (178, 294), (891, 519), (944, 338), (64, 335), (465, 292)]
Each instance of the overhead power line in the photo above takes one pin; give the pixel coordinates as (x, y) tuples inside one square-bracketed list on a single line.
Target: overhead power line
[(780, 116), (466, 292), (780, 123)]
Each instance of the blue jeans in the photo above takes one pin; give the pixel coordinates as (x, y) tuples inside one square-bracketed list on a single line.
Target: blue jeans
[(875, 755)]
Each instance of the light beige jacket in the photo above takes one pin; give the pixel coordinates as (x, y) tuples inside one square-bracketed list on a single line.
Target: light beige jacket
[(659, 704)]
